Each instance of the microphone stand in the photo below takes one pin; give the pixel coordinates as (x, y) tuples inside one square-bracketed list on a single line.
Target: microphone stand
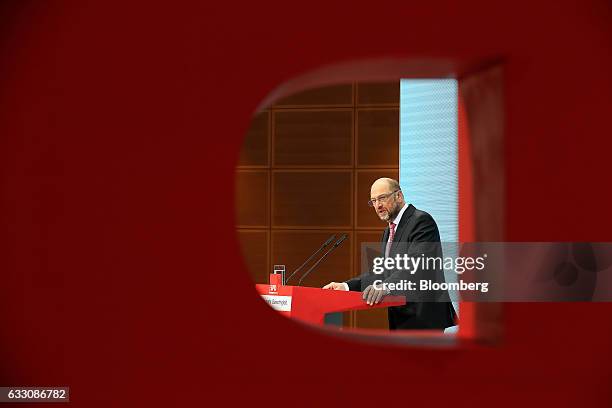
[(342, 238), (326, 243)]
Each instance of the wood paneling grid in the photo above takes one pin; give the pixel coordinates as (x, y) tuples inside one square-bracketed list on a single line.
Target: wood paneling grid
[(304, 173)]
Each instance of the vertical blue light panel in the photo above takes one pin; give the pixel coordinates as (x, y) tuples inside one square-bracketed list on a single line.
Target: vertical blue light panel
[(428, 150), (428, 156)]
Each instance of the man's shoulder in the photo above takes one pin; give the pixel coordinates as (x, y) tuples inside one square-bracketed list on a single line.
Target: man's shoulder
[(422, 227)]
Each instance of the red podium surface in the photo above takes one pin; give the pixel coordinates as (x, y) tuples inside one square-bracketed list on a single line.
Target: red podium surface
[(311, 304)]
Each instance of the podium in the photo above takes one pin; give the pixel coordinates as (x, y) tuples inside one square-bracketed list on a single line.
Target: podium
[(312, 304)]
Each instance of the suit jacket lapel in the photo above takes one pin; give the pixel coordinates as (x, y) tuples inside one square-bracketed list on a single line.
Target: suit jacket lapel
[(384, 239), (401, 228)]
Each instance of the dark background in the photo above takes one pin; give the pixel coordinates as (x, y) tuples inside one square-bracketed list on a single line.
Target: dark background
[(120, 127)]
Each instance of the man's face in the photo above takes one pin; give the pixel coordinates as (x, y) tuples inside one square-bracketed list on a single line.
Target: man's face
[(386, 205)]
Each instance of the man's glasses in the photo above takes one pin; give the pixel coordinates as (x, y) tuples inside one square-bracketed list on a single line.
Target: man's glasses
[(381, 198)]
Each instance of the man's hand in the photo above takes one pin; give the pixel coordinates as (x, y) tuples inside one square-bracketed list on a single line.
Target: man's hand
[(334, 286), (373, 296)]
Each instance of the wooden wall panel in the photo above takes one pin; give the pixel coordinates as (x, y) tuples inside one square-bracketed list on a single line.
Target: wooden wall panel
[(255, 150), (305, 172), (378, 137), (291, 248), (371, 319), (365, 216), (378, 93), (316, 138), (254, 246), (312, 198), (335, 95), (252, 198)]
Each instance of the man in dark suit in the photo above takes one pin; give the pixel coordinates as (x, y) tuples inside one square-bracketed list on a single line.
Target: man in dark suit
[(414, 233)]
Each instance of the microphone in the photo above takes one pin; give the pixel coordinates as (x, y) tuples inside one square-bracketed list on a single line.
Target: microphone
[(326, 243), (329, 251)]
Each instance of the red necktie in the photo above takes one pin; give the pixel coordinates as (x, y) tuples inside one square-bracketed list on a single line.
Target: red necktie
[(391, 235)]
